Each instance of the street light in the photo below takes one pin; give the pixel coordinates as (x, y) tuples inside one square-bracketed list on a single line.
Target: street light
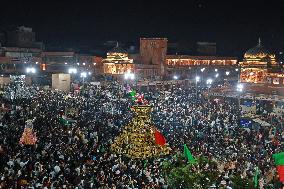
[(72, 70), (209, 81), (31, 70), (129, 75), (216, 70), (197, 79), (202, 70), (83, 75), (175, 77), (237, 70), (240, 87), (216, 75), (227, 73)]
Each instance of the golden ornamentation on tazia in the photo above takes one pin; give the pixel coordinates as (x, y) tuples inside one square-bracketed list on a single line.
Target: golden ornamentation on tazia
[(137, 139)]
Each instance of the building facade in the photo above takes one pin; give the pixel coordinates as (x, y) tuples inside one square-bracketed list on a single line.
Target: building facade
[(153, 53), (187, 67), (117, 62), (154, 63), (260, 67)]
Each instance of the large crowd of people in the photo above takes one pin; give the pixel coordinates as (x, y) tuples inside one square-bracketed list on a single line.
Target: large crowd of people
[(78, 155)]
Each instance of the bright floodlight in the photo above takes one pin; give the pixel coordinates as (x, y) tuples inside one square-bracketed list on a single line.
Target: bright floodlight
[(175, 77), (129, 75), (216, 70), (197, 78), (227, 73), (209, 81), (83, 74), (202, 70), (240, 87), (72, 70), (31, 70), (216, 75)]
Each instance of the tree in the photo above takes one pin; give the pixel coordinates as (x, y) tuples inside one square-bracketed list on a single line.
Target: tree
[(181, 175), (242, 183)]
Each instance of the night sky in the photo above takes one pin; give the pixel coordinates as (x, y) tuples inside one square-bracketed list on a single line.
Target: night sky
[(234, 25)]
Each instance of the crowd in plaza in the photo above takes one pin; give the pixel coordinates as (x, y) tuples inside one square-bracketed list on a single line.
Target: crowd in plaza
[(78, 155)]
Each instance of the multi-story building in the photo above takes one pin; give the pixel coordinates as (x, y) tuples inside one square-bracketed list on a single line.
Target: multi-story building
[(15, 60), (19, 50), (22, 37)]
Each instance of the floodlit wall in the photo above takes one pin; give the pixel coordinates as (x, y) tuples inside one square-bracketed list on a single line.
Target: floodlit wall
[(61, 82)]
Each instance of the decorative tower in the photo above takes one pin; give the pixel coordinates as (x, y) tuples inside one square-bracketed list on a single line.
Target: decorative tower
[(28, 136), (139, 138)]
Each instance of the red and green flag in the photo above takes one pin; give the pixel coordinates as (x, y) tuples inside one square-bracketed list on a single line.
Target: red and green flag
[(279, 162), (188, 154)]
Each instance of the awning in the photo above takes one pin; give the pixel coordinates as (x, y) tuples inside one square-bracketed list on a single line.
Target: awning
[(261, 122)]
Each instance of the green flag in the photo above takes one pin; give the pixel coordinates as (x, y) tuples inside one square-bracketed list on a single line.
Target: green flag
[(102, 149), (145, 162), (255, 178), (132, 93), (279, 158), (64, 121), (188, 154)]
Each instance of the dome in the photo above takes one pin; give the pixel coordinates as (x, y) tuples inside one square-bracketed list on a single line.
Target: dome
[(258, 52), (117, 49)]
